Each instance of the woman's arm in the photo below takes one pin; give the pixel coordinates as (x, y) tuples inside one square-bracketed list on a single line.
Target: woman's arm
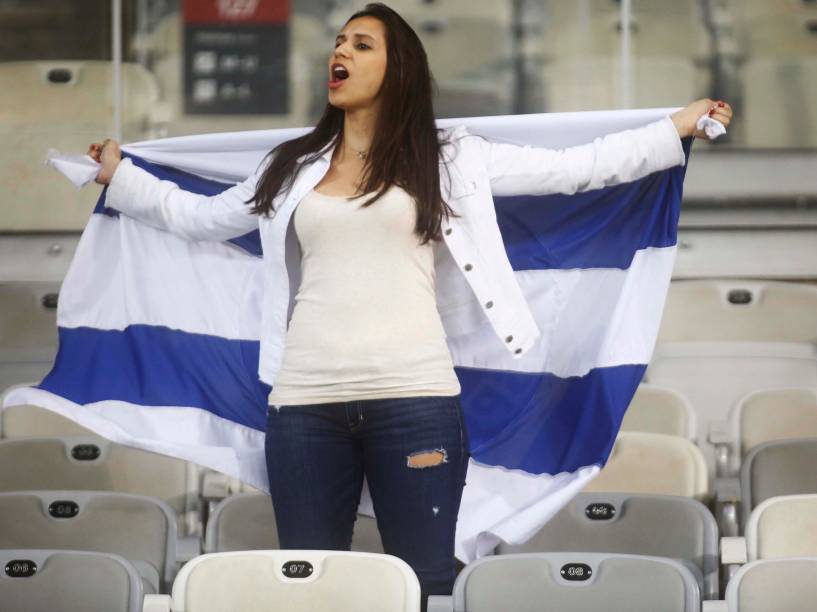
[(164, 205), (616, 158)]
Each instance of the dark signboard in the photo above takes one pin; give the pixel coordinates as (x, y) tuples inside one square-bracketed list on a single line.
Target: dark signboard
[(236, 57)]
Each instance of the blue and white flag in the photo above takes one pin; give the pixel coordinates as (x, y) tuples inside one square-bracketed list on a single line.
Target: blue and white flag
[(159, 336)]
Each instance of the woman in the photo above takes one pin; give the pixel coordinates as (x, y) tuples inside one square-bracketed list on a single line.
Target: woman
[(363, 382)]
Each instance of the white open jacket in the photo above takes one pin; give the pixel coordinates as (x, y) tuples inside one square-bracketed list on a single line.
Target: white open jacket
[(473, 267)]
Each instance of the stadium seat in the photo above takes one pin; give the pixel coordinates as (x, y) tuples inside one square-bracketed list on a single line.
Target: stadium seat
[(654, 464), (764, 416), (246, 521), (658, 410), (95, 464), (572, 582), (140, 529), (716, 375), (779, 585), (67, 581), (739, 311), (654, 525), (772, 469), (340, 581), (28, 331), (34, 422), (783, 526), (62, 104)]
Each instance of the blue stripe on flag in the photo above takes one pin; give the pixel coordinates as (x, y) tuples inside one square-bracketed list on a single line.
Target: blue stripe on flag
[(596, 229), (157, 366), (250, 242), (541, 423)]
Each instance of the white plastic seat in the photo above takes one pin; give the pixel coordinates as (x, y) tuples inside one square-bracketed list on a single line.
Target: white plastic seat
[(138, 528), (246, 521), (653, 464), (656, 409), (96, 464), (27, 421), (783, 526), (654, 525), (739, 311), (779, 585), (572, 582), (273, 580), (67, 581)]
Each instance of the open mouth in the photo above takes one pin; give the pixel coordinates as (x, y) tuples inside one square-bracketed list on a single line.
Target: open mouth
[(339, 73)]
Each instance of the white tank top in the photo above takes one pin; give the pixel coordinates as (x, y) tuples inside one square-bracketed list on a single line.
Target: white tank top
[(365, 323)]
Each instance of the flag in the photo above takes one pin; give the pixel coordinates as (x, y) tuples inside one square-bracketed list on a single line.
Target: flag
[(159, 336)]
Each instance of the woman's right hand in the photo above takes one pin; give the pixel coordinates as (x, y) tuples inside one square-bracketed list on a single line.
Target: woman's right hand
[(109, 155)]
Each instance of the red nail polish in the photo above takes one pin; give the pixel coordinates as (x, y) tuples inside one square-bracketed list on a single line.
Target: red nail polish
[(712, 111), (721, 104)]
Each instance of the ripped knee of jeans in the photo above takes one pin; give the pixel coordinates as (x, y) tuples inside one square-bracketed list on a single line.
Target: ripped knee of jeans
[(427, 458)]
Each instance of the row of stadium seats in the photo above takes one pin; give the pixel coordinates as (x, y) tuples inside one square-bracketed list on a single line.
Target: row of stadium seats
[(341, 581), (641, 463)]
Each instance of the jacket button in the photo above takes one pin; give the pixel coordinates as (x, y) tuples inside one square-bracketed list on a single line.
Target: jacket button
[(468, 267), (448, 231), (488, 304), (517, 351), (509, 339), (473, 184)]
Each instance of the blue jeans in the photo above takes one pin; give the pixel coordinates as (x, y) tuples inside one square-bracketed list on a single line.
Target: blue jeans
[(414, 454)]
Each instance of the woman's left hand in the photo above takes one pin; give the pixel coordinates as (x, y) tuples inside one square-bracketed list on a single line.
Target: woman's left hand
[(686, 119)]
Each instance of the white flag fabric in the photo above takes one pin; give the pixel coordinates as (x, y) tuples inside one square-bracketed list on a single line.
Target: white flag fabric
[(159, 336)]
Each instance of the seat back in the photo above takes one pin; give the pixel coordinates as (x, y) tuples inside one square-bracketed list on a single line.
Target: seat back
[(68, 581), (653, 525), (297, 580), (772, 469), (655, 409), (776, 414), (246, 521), (26, 421), (653, 463), (782, 585), (783, 526), (739, 311), (573, 582), (138, 528), (95, 464)]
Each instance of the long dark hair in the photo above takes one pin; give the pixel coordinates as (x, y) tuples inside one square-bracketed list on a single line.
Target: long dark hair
[(406, 148)]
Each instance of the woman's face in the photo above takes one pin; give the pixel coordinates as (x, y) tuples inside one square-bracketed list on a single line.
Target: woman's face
[(360, 47)]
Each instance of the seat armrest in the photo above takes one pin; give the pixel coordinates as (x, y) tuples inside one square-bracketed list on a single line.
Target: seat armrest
[(733, 551), (727, 490), (440, 603), (187, 548), (721, 437), (156, 603)]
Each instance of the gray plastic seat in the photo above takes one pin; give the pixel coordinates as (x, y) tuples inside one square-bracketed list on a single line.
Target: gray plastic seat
[(246, 521), (138, 528), (96, 464), (778, 585), (783, 467), (572, 582), (67, 581), (654, 525)]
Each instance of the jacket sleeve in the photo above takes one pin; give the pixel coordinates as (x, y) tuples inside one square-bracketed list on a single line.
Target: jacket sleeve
[(164, 205), (616, 158)]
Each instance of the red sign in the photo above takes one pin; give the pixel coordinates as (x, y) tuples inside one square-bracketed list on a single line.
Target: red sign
[(206, 12)]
